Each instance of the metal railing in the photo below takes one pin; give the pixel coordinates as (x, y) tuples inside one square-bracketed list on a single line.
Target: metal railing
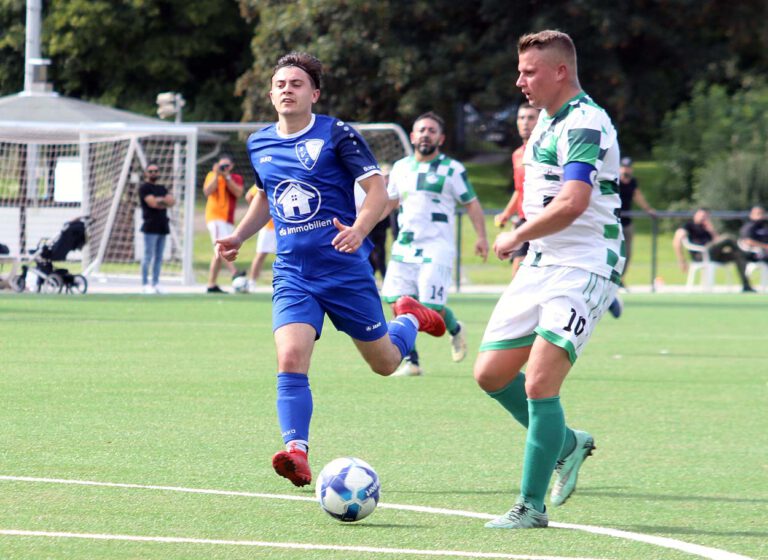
[(655, 219)]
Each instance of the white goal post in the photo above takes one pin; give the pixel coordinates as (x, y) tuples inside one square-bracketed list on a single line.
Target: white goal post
[(51, 173)]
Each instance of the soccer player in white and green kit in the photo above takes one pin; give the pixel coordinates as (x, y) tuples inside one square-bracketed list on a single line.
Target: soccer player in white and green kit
[(566, 282), (427, 186)]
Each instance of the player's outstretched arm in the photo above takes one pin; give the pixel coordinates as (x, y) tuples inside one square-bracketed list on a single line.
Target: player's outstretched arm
[(255, 218)]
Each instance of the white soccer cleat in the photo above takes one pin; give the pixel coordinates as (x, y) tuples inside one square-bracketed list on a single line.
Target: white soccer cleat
[(459, 344), (522, 516), (408, 369), (567, 470)]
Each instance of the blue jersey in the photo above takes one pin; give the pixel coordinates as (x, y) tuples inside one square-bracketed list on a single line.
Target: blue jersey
[(309, 179)]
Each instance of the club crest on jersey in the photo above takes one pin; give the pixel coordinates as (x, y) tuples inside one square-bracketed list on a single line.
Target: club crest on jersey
[(296, 201), (308, 151)]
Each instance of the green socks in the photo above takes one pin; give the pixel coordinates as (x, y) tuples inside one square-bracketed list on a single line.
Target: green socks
[(451, 324), (515, 401), (546, 433)]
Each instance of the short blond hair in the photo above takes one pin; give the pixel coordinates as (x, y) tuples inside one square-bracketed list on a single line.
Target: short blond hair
[(550, 39)]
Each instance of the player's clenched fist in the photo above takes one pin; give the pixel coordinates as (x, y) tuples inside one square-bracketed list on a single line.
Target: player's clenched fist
[(228, 247), (505, 244)]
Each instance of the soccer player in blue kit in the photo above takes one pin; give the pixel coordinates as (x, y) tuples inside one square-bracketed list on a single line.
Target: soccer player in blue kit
[(306, 166)]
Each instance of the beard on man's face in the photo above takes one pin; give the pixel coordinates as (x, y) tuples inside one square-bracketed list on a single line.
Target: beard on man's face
[(426, 148)]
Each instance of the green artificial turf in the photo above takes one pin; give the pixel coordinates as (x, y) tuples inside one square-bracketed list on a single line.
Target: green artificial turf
[(179, 391)]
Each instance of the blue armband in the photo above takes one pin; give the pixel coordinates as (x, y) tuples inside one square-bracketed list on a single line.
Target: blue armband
[(578, 171)]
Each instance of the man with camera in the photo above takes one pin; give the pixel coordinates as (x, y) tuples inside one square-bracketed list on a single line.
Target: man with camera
[(222, 187)]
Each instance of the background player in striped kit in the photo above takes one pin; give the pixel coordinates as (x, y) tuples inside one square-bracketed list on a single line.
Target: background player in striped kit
[(427, 186)]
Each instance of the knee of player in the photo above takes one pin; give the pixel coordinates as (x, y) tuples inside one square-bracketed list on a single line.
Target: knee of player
[(291, 359), (483, 376), (386, 363), (538, 389), (384, 370)]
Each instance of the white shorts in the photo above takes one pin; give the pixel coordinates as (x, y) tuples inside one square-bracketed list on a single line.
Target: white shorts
[(266, 242), (428, 282), (561, 304), (219, 229)]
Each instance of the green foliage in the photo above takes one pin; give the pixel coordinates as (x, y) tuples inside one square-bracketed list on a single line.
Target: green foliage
[(650, 178), (125, 52), (11, 45), (713, 147), (387, 60), (391, 59)]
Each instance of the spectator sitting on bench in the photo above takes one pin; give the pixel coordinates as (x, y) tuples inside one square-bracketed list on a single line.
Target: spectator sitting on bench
[(753, 235), (720, 248)]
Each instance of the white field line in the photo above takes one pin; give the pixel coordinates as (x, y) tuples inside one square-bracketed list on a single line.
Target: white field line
[(288, 545), (694, 549)]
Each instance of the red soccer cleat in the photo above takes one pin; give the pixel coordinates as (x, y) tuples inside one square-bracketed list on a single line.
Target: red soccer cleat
[(293, 465), (430, 320)]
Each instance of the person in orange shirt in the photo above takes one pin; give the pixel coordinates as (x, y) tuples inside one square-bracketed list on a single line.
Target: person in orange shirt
[(266, 244), (526, 120), (222, 187)]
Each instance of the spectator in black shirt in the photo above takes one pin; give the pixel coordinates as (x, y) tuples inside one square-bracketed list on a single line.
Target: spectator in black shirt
[(629, 193), (720, 248), (753, 236), (155, 201)]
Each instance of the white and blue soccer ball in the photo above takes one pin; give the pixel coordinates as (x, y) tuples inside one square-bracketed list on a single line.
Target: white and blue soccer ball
[(240, 284), (348, 489)]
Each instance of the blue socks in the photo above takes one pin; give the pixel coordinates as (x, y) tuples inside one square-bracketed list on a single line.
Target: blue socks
[(402, 333), (294, 406)]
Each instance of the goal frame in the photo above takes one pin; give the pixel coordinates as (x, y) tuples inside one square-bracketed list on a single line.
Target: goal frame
[(84, 135)]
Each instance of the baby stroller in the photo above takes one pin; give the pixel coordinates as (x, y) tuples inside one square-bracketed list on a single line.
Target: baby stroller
[(50, 279)]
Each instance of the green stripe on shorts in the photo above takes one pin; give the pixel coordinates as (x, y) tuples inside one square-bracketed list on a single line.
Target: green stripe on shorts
[(508, 344), (558, 340)]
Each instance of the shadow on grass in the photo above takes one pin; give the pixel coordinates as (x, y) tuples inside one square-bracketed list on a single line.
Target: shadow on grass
[(598, 492), (617, 492), (368, 525), (664, 530), (453, 492)]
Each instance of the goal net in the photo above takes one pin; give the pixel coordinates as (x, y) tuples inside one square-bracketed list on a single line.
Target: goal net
[(53, 173)]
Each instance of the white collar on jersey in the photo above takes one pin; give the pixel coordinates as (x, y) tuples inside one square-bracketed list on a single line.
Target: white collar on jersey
[(295, 134)]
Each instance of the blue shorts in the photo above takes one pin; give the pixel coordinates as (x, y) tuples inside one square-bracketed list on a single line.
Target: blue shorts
[(350, 299)]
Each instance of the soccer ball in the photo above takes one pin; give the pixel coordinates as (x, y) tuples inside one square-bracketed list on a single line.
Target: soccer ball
[(240, 284), (348, 489)]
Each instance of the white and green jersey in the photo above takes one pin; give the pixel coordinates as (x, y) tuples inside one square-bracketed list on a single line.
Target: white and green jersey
[(580, 131), (428, 192)]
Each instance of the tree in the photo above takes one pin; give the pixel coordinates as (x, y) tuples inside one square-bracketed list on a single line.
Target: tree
[(384, 60), (124, 52), (12, 45), (714, 147)]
